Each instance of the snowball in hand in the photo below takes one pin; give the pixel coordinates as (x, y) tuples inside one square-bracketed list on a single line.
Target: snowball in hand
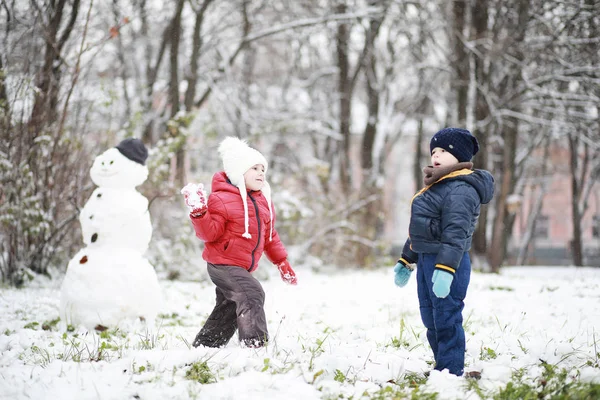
[(194, 195)]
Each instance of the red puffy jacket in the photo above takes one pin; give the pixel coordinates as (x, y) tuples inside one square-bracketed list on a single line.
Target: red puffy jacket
[(222, 226)]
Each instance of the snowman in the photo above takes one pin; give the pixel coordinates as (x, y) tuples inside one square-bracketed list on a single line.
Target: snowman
[(109, 281)]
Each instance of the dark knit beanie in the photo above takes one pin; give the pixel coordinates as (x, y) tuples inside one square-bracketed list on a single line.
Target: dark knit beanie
[(458, 142), (133, 149)]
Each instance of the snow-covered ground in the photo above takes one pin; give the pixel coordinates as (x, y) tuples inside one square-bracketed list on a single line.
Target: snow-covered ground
[(339, 334)]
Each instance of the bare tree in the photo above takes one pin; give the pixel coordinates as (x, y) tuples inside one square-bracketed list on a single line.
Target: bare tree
[(124, 70), (197, 41), (41, 155), (49, 78), (584, 164), (539, 175), (483, 127), (460, 60), (565, 91), (583, 135), (509, 90), (346, 83), (153, 66), (4, 106)]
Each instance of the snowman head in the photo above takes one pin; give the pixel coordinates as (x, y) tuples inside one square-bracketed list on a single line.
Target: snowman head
[(122, 166)]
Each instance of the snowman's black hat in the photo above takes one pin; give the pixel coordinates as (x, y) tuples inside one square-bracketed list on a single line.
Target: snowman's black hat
[(133, 149)]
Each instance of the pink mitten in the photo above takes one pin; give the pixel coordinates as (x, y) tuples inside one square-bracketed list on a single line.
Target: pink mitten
[(195, 199)]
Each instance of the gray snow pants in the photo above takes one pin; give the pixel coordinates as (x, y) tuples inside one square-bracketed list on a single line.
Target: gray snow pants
[(239, 305)]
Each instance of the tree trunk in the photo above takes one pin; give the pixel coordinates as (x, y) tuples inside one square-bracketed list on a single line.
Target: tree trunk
[(480, 26), (481, 162), (44, 111), (4, 106), (460, 61), (345, 99), (192, 77), (501, 222), (174, 59), (509, 90), (536, 207), (148, 136), (180, 177), (575, 245), (424, 110), (419, 156), (370, 217), (121, 57)]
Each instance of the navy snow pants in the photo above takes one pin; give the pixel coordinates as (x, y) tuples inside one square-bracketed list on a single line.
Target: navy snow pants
[(443, 317)]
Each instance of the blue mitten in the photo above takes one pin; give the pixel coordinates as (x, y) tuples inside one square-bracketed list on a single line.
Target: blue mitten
[(402, 272), (441, 283)]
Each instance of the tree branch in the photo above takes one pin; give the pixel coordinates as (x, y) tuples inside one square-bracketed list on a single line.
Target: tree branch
[(302, 23)]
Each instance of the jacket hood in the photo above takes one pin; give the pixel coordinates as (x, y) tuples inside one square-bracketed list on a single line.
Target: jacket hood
[(220, 183), (483, 182)]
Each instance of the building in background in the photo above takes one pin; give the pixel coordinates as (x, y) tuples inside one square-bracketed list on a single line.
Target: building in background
[(552, 236)]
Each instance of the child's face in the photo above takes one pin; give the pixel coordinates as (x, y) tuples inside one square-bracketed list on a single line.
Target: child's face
[(442, 158), (255, 177)]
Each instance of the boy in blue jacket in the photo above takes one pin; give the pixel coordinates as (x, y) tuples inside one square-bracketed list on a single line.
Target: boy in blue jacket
[(442, 220)]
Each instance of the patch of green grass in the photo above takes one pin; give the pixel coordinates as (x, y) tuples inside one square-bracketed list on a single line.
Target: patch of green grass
[(468, 323), (412, 380), (555, 384), (142, 368), (200, 372), (149, 341), (266, 364), (524, 349), (402, 340), (106, 346), (32, 325), (112, 333), (316, 350), (339, 376), (277, 366), (51, 325), (502, 288), (173, 319), (549, 289), (487, 354), (416, 379), (398, 343), (472, 385), (391, 393), (40, 356)]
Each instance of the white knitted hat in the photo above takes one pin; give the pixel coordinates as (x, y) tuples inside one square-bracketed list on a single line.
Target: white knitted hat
[(238, 158)]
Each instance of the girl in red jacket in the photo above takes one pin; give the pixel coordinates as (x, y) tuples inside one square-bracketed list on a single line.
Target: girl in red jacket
[(237, 226)]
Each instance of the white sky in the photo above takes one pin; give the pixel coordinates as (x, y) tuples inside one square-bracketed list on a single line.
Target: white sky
[(523, 315)]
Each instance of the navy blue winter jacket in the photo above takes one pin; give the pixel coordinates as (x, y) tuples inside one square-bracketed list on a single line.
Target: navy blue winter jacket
[(444, 215)]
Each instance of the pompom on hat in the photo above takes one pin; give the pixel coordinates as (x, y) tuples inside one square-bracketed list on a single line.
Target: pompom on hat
[(238, 158), (133, 149), (458, 142)]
